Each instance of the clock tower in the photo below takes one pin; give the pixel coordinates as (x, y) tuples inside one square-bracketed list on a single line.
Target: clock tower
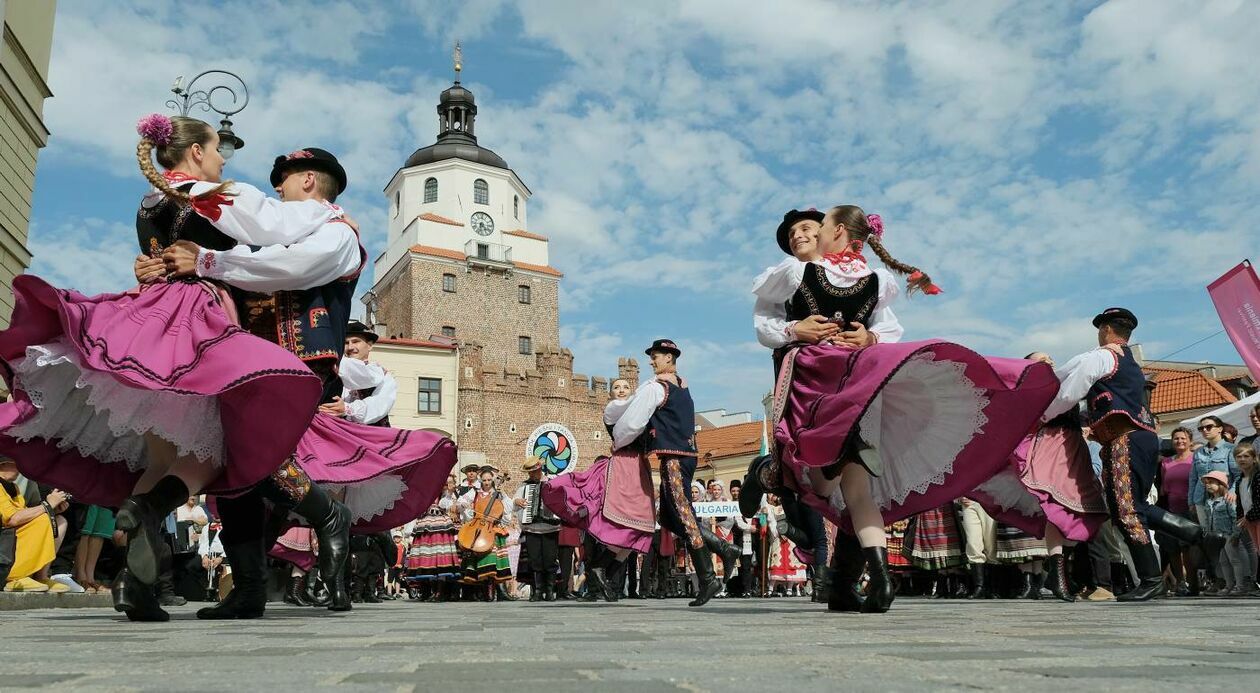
[(459, 261)]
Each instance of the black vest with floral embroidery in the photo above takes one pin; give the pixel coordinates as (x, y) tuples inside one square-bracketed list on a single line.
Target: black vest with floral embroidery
[(818, 296)]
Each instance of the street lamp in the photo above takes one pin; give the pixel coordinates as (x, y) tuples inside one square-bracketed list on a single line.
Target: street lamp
[(187, 98)]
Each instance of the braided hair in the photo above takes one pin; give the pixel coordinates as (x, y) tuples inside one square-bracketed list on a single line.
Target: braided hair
[(859, 227), (185, 132)]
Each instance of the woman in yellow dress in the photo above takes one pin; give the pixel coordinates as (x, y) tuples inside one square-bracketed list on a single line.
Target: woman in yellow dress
[(36, 546)]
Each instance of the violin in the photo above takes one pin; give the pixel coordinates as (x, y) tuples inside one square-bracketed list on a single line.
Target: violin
[(476, 537)]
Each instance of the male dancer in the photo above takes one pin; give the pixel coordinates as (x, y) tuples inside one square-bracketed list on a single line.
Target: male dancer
[(1113, 387), (313, 283), (370, 391), (663, 412)]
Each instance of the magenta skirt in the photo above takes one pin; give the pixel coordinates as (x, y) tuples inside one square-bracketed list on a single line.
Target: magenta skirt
[(612, 500), (294, 546), (390, 476), (942, 418), (91, 376)]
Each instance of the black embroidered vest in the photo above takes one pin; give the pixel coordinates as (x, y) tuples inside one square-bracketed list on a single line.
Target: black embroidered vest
[(1117, 402), (817, 296), (169, 221), (671, 432), (364, 394)]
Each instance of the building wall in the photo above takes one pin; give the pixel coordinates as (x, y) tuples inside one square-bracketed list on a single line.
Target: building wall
[(484, 308), (25, 50), (409, 363)]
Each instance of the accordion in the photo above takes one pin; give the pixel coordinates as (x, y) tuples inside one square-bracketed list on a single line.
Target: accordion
[(534, 510)]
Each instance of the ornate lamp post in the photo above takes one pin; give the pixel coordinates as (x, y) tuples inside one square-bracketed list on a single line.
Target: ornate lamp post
[(188, 98)]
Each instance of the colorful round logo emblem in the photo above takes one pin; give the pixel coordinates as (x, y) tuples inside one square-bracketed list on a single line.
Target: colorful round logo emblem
[(554, 445)]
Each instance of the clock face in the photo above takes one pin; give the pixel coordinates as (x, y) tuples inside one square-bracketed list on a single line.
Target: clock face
[(482, 224)]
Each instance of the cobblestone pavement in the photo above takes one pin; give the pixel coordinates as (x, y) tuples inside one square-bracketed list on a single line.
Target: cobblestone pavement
[(730, 645)]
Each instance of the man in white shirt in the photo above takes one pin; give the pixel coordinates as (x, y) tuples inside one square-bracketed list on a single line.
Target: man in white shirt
[(541, 535), (369, 390)]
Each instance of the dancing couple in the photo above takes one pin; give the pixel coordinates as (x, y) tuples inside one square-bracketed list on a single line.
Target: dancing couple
[(208, 376)]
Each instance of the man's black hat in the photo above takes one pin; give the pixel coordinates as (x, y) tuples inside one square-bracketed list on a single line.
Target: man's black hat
[(470, 468), (664, 345), (309, 158), (791, 218), (357, 329), (1114, 314)]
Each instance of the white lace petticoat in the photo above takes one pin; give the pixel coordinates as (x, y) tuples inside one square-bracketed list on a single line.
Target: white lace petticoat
[(105, 419)]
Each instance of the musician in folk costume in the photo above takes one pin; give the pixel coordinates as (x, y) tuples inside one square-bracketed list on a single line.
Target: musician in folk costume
[(662, 415), (493, 568), (540, 531), (370, 391)]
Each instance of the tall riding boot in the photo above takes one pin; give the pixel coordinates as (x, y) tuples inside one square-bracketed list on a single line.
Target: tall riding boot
[(371, 595), (315, 593), (356, 590), (1150, 579), (1030, 589), (166, 580), (879, 591), (821, 583), (709, 583), (137, 600), (614, 578), (1121, 580), (847, 564), (724, 549), (549, 588), (296, 594), (940, 587), (979, 582), (141, 517), (248, 598), (1174, 525), (791, 532), (536, 591), (1056, 579), (331, 522)]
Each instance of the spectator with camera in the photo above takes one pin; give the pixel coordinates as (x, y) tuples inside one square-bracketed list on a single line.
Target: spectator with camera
[(36, 534)]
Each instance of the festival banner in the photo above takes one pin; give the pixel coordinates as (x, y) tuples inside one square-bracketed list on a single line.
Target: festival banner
[(1237, 299)]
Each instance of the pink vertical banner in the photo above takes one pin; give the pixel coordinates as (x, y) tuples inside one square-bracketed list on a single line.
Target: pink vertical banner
[(1237, 299)]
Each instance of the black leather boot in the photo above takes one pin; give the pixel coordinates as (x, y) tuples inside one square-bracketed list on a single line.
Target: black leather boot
[(847, 564), (1056, 579), (821, 583), (370, 594), (331, 522), (1121, 579), (1031, 589), (549, 589), (709, 583), (536, 587), (941, 587), (296, 594), (961, 590), (248, 598), (141, 517), (614, 577), (879, 591), (979, 582), (596, 585), (752, 491), (1174, 525), (138, 601), (724, 549), (315, 593), (1150, 579), (166, 580)]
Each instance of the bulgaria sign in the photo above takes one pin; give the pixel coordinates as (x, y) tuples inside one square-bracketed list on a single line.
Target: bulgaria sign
[(1237, 299), (556, 446), (716, 508)]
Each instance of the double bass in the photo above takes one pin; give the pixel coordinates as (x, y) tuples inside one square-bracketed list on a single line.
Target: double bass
[(476, 536)]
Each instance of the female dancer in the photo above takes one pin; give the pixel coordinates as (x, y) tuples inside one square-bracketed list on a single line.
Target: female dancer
[(155, 391), (870, 431), (1050, 490), (611, 501)]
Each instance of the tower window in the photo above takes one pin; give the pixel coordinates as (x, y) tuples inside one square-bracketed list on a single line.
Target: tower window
[(483, 251), (430, 190), (516, 207), (525, 345), (429, 400), (397, 201), (481, 192), (448, 331), (448, 283), (523, 293)]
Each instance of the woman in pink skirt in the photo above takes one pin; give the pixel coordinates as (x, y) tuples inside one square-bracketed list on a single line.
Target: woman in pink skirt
[(868, 431), (156, 391), (612, 501)]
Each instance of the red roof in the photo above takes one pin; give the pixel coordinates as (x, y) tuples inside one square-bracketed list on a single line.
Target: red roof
[(429, 216), (525, 234), (416, 343), (1177, 390), (729, 441), (544, 269)]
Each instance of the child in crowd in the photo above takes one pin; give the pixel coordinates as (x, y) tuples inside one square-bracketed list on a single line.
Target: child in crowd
[(1247, 508), (1221, 519)]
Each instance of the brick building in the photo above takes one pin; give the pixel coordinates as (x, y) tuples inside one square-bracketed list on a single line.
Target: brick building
[(461, 265)]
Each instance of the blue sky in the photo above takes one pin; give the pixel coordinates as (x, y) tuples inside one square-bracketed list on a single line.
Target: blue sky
[(1042, 160)]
